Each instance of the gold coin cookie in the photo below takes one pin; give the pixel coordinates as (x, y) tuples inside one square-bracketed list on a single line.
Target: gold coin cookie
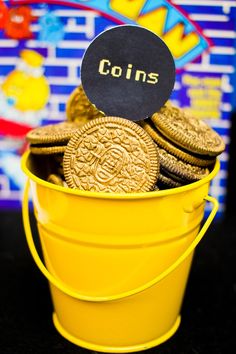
[(169, 146), (181, 169), (79, 108), (55, 179), (47, 150), (187, 131), (52, 133), (111, 154)]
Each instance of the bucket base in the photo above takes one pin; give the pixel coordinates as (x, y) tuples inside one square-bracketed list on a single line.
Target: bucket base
[(101, 348)]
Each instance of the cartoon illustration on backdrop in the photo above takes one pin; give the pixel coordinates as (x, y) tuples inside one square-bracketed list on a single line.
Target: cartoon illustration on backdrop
[(24, 81), (196, 35), (185, 40), (23, 96), (51, 29), (18, 23)]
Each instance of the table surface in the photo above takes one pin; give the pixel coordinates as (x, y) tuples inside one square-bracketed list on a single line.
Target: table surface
[(208, 310)]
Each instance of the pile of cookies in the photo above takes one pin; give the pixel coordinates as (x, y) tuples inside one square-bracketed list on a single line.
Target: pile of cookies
[(187, 146), (51, 141), (109, 154)]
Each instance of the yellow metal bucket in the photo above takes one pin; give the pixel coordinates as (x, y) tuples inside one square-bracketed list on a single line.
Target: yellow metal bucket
[(117, 264)]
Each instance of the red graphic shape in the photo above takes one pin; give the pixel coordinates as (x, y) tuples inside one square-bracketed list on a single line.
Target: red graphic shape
[(3, 14), (18, 23), (13, 129)]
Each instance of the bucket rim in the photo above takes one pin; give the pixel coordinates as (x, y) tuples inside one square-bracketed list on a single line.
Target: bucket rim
[(104, 195)]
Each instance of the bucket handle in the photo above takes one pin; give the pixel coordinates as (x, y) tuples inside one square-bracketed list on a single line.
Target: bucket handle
[(63, 287)]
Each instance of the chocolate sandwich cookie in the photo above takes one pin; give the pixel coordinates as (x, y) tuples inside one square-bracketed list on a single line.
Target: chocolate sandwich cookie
[(188, 132), (180, 168), (79, 108), (52, 133), (111, 154), (165, 182), (169, 146), (174, 177)]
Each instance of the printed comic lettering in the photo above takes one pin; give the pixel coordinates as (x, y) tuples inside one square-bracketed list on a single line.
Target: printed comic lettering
[(178, 42)]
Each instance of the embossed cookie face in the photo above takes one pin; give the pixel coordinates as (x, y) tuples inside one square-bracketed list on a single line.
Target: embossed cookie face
[(173, 149), (111, 155), (188, 132)]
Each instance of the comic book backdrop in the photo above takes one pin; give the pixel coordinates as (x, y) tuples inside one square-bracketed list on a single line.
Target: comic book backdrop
[(42, 44)]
